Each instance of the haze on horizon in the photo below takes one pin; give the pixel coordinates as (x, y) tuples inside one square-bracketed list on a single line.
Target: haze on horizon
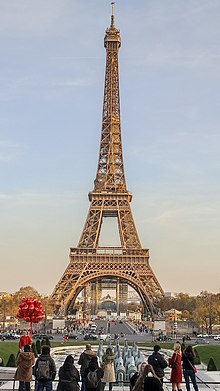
[(52, 72)]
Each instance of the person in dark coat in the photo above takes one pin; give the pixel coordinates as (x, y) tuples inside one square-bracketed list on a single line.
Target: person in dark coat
[(68, 376), (188, 367), (158, 362), (84, 361), (93, 366), (25, 361), (147, 380)]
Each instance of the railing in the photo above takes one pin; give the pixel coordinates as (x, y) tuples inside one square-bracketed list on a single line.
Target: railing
[(10, 384), (108, 250)]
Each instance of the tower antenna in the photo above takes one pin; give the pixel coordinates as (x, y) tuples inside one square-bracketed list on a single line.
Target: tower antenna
[(112, 17)]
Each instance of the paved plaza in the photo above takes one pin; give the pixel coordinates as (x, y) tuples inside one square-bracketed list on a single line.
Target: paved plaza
[(210, 380)]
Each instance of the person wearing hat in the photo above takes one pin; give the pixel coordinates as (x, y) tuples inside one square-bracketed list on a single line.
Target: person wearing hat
[(84, 361)]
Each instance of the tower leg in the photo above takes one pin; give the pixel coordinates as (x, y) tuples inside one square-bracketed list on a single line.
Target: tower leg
[(117, 297)]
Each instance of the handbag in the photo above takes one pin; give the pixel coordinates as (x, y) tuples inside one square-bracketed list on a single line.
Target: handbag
[(193, 367)]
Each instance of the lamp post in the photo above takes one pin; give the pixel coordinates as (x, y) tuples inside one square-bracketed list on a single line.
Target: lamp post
[(2, 297), (174, 324)]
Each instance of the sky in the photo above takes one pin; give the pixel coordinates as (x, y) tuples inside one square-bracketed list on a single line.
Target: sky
[(52, 69)]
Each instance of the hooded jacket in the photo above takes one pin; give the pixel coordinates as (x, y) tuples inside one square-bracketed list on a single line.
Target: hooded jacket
[(68, 378), (25, 361), (84, 360)]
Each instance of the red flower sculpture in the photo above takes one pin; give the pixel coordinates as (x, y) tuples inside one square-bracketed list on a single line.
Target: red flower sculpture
[(30, 311)]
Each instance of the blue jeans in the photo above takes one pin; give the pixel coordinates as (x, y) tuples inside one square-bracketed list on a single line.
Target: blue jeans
[(47, 385), (83, 385), (189, 374)]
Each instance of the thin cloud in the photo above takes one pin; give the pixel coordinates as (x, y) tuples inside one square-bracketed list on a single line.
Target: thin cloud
[(72, 83), (51, 199), (187, 214)]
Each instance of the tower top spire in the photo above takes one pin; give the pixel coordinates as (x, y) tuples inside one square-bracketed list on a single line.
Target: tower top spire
[(113, 16)]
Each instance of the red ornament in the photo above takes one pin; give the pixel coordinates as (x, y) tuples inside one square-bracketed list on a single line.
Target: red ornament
[(30, 310)]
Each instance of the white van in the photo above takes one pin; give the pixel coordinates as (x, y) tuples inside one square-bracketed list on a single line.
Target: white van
[(93, 327)]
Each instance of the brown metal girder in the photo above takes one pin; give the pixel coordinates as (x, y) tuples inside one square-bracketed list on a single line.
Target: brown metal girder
[(85, 279)]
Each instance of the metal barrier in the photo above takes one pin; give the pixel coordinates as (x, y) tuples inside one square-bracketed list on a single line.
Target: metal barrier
[(10, 384)]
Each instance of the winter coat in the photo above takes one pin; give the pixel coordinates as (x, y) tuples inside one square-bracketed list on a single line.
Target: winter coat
[(68, 378), (84, 360), (109, 373), (109, 369), (133, 379), (176, 372), (45, 357), (152, 384), (158, 363), (25, 361), (188, 361)]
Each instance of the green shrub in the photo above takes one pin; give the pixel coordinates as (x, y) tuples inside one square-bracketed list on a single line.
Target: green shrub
[(197, 358), (38, 346), (211, 365), (45, 341), (34, 349), (11, 361)]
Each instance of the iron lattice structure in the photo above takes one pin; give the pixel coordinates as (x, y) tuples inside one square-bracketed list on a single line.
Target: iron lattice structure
[(129, 263)]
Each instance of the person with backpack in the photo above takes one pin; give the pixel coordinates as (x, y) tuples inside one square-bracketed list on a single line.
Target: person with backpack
[(93, 375), (158, 362), (68, 376), (45, 370), (84, 361), (25, 361), (109, 369)]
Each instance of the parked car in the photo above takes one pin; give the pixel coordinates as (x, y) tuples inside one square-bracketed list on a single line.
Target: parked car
[(42, 336), (72, 336), (204, 335), (163, 338), (90, 337), (201, 341), (8, 335), (216, 337)]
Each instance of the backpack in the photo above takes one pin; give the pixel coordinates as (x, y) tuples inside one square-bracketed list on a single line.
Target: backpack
[(92, 380), (43, 370)]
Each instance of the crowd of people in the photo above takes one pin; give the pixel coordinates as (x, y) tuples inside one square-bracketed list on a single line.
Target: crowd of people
[(94, 376)]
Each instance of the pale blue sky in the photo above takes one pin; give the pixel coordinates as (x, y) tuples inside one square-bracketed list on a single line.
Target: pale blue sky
[(51, 91)]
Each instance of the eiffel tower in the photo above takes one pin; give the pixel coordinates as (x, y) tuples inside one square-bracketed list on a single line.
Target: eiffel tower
[(128, 263)]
